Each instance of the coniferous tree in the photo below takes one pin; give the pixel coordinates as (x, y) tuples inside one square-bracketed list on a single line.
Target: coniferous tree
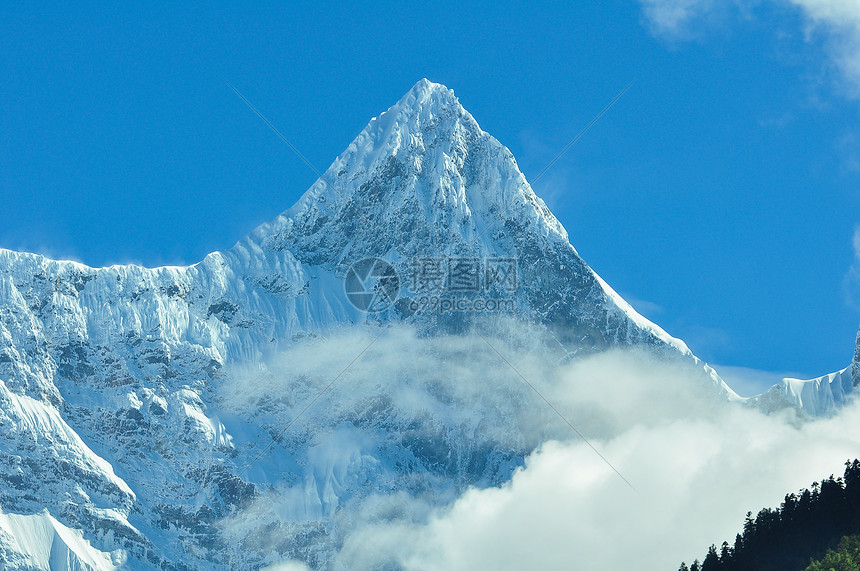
[(712, 560), (803, 528)]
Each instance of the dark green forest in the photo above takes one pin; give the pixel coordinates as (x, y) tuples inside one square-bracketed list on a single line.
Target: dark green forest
[(810, 531)]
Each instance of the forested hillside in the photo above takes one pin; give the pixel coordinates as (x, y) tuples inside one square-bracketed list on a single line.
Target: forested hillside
[(802, 529)]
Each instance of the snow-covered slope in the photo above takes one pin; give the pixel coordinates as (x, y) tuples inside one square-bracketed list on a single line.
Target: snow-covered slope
[(131, 402), (41, 543), (822, 396)]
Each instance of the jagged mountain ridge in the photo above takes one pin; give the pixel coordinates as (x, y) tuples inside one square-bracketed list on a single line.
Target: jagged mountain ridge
[(818, 397), (118, 368)]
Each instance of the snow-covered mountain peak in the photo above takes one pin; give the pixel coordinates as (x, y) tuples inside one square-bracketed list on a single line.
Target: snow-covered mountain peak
[(134, 374), (427, 107), (427, 112), (421, 178), (424, 88), (427, 99)]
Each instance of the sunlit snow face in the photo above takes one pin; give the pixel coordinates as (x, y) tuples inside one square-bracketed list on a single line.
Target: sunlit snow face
[(655, 422)]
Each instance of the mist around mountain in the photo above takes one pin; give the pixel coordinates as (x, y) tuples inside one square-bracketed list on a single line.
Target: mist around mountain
[(411, 368)]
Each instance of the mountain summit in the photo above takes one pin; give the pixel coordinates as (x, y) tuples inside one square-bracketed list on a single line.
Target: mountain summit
[(420, 178), (140, 408), (422, 181)]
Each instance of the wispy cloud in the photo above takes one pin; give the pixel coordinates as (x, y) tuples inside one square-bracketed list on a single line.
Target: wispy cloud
[(839, 22), (856, 244), (674, 19), (455, 401), (848, 148), (836, 22), (852, 278), (564, 507), (647, 308)]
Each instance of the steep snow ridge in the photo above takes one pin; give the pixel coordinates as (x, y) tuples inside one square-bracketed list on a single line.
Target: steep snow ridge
[(45, 463), (43, 422), (40, 542), (678, 345), (642, 322), (821, 396)]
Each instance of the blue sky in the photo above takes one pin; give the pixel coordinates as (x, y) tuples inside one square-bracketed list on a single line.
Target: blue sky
[(720, 195)]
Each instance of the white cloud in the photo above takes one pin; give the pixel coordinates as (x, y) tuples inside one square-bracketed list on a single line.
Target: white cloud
[(696, 478), (855, 242), (698, 463), (832, 12), (839, 21), (674, 18), (836, 21), (851, 283)]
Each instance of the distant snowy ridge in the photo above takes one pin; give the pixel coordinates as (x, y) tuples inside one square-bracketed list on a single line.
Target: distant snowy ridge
[(818, 397)]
